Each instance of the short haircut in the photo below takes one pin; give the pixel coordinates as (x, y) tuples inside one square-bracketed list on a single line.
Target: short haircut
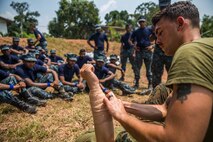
[(182, 8), (82, 50)]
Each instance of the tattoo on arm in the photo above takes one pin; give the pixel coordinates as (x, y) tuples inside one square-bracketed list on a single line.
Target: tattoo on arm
[(182, 91)]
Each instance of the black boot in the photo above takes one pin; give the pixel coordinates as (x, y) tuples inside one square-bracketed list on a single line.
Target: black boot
[(27, 96), (64, 95), (136, 85), (23, 106)]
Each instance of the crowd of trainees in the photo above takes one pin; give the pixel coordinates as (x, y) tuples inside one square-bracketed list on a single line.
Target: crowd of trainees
[(29, 76)]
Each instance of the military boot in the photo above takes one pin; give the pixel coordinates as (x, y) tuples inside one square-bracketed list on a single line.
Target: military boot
[(27, 96), (136, 85), (23, 106), (64, 95)]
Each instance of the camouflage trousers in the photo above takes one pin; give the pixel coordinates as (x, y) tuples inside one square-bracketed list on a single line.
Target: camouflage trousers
[(159, 95), (141, 56), (54, 67), (159, 61), (122, 136), (127, 89), (9, 80), (7, 96), (127, 54)]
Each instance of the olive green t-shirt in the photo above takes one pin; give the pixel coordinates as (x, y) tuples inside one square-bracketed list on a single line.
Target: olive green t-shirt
[(193, 63)]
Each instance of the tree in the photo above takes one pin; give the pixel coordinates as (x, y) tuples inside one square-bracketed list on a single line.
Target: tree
[(116, 18), (148, 9), (23, 19), (75, 19), (207, 26)]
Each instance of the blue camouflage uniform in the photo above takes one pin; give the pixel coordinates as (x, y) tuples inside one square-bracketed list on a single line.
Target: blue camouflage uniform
[(159, 60), (99, 38), (68, 73), (141, 36), (82, 60), (126, 51), (42, 41), (24, 73)]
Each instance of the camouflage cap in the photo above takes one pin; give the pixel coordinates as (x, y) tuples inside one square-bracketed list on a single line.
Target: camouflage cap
[(53, 51), (100, 59), (38, 47), (5, 47), (113, 57), (16, 39), (29, 57), (71, 56), (30, 40), (142, 19)]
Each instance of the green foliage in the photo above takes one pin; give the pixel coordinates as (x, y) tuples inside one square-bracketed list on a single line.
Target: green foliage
[(114, 35), (207, 26), (23, 20), (75, 19), (147, 9), (116, 18)]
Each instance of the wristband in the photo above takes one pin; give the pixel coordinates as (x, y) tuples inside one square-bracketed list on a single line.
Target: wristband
[(11, 87), (48, 84), (104, 90)]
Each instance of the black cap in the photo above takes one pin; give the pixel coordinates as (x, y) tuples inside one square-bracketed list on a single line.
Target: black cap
[(16, 39)]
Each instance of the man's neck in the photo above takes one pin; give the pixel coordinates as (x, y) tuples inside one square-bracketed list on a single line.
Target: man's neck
[(191, 35)]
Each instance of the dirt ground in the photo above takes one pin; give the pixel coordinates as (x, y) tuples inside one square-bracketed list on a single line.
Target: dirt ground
[(59, 120)]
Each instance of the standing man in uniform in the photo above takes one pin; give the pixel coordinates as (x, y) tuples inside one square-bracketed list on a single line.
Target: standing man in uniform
[(126, 49), (39, 38), (143, 51), (99, 38)]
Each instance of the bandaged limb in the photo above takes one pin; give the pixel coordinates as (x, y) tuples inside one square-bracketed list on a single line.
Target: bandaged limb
[(102, 119)]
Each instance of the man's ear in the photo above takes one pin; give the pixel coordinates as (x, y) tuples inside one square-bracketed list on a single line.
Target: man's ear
[(180, 23)]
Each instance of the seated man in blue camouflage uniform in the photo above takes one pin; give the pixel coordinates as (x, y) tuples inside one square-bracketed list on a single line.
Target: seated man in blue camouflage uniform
[(125, 88), (30, 45), (66, 73), (104, 75), (8, 62), (83, 58), (16, 49), (23, 93), (49, 81), (55, 60)]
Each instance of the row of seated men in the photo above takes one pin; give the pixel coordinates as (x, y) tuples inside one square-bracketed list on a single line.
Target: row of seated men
[(28, 80)]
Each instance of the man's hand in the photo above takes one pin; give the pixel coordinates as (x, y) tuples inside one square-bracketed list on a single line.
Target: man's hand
[(149, 48), (55, 83), (22, 84), (115, 106), (80, 85)]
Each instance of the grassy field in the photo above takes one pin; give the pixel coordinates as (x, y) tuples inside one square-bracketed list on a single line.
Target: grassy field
[(59, 120)]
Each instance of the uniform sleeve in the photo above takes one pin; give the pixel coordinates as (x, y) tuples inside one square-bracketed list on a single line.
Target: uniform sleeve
[(77, 70), (61, 70), (105, 37), (3, 74), (36, 33), (15, 59), (192, 64), (39, 68), (20, 72), (91, 37)]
